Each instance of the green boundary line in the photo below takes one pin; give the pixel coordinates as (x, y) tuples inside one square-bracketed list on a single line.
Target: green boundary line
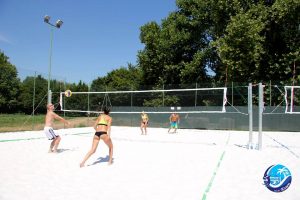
[(15, 140), (215, 172), (37, 138)]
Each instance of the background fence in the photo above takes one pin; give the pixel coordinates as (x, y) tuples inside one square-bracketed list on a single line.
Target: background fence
[(235, 117)]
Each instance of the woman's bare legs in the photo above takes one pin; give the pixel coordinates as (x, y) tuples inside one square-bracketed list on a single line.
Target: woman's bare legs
[(96, 140), (109, 143), (142, 127)]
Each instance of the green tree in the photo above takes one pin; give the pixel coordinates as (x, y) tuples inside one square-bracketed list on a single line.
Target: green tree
[(282, 41), (122, 79), (241, 47), (9, 85), (261, 42), (33, 87)]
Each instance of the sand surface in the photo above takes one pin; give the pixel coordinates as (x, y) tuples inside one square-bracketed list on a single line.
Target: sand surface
[(188, 165)]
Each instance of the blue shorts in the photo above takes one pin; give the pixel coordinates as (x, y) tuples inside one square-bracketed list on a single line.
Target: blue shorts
[(174, 125)]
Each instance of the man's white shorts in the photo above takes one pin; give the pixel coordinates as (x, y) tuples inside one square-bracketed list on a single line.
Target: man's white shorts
[(50, 133)]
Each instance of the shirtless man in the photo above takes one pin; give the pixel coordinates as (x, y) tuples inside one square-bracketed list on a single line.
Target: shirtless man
[(174, 121), (48, 130)]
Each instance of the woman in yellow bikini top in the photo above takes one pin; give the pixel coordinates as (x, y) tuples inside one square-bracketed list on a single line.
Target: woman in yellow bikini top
[(102, 126), (102, 121), (144, 123)]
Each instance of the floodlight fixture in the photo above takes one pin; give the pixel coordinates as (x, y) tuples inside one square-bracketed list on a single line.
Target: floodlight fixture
[(46, 19), (59, 23)]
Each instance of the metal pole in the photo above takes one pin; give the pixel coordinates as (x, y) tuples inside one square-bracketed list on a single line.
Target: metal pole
[(89, 86), (250, 142), (163, 95), (260, 111), (64, 105), (270, 93), (231, 93), (292, 99), (196, 95), (50, 62), (89, 89), (131, 103), (33, 100)]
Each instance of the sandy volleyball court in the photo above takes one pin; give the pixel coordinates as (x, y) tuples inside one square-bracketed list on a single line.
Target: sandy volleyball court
[(189, 165)]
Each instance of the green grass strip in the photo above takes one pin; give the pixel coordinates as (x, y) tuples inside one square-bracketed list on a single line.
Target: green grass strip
[(215, 173), (37, 138), (20, 139)]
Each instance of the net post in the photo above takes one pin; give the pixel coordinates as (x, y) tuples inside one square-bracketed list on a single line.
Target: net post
[(88, 104), (61, 101), (163, 96), (33, 100), (292, 99), (260, 111), (224, 99), (196, 95), (250, 113), (49, 96), (286, 100)]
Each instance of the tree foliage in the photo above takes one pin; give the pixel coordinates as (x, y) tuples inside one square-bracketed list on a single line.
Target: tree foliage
[(9, 85), (122, 79), (33, 94), (237, 40), (202, 41)]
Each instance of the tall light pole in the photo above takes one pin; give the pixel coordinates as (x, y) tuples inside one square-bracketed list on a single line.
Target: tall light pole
[(56, 25)]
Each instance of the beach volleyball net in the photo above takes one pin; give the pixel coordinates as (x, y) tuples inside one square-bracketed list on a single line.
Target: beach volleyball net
[(280, 99), (292, 98), (195, 100), (202, 108)]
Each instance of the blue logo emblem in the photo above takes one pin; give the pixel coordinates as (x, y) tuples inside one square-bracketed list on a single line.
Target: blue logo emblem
[(277, 178)]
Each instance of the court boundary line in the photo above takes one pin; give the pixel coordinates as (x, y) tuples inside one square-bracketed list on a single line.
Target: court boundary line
[(206, 191), (284, 146), (37, 138)]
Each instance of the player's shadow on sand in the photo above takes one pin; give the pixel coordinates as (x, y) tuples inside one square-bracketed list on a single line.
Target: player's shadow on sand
[(101, 160), (62, 150), (241, 146)]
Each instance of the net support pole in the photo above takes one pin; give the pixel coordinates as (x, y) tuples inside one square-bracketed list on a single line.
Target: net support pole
[(88, 103), (131, 98), (260, 111), (196, 95), (292, 99), (163, 96), (49, 97), (250, 113), (33, 100)]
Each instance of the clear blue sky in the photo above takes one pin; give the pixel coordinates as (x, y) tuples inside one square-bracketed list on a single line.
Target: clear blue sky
[(97, 36)]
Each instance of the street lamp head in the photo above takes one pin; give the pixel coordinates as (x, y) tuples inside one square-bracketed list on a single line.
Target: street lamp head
[(59, 23), (46, 19)]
